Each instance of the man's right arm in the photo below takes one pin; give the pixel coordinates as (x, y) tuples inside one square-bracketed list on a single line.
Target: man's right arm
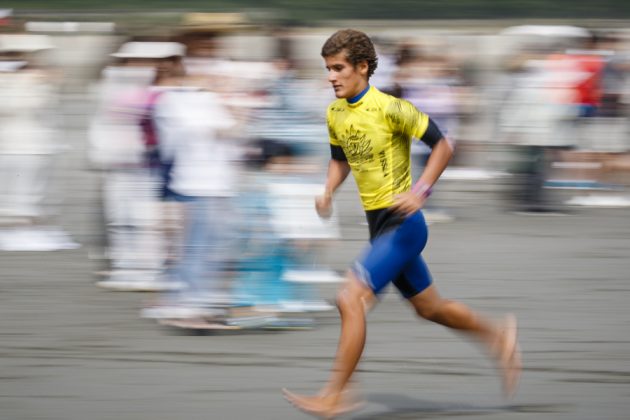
[(338, 171)]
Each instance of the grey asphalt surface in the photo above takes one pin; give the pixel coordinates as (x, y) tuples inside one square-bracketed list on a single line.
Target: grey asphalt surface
[(71, 351)]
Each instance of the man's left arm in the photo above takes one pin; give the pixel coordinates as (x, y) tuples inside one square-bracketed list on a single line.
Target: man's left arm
[(441, 153)]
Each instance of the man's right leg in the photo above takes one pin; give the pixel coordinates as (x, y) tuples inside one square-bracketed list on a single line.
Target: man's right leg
[(354, 300), (376, 268)]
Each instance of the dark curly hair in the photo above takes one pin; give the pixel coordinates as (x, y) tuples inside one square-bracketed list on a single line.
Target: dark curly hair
[(357, 45)]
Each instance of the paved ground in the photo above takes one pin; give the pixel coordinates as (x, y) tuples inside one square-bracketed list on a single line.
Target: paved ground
[(70, 351)]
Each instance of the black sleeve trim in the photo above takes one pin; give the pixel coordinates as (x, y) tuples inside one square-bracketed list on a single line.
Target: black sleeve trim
[(432, 135), (336, 152)]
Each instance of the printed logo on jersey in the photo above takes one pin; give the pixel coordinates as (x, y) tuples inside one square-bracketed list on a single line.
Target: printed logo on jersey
[(384, 163), (394, 113), (358, 147)]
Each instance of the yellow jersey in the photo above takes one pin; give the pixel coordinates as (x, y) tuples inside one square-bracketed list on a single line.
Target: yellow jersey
[(375, 135)]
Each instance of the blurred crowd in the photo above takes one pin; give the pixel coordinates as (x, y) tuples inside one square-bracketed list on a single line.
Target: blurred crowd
[(208, 184), (210, 160)]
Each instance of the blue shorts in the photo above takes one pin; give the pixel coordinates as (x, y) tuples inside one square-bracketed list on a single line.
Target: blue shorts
[(394, 254)]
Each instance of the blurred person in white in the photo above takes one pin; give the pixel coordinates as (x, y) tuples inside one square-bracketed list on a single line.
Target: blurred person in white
[(28, 143), (193, 138), (429, 82), (536, 117), (288, 116), (616, 98), (614, 76), (603, 133), (283, 234), (287, 149), (27, 98), (123, 144), (242, 83)]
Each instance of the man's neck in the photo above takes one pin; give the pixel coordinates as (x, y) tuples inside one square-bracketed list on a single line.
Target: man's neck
[(358, 97)]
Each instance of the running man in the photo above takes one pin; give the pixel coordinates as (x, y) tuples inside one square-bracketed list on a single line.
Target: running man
[(370, 136)]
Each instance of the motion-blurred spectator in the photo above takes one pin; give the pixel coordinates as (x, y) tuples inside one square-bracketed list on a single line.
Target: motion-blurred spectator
[(123, 144)]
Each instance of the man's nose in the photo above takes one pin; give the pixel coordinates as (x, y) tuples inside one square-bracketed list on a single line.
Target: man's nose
[(332, 76)]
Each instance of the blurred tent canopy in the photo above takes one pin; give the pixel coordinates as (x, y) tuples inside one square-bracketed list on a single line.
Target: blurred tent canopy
[(214, 22), (312, 10), (540, 38), (561, 31)]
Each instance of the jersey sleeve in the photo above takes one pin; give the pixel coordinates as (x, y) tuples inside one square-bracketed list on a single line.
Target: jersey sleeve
[(406, 119), (332, 137), (432, 134), (336, 151)]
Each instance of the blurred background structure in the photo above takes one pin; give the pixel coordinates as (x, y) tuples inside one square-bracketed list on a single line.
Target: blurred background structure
[(175, 149)]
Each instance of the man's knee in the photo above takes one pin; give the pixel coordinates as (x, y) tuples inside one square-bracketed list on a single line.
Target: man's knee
[(429, 312), (428, 304), (349, 299), (354, 296)]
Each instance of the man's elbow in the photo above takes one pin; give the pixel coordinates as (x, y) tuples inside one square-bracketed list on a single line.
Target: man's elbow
[(448, 145)]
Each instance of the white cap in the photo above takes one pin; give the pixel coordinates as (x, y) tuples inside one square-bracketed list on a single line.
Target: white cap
[(150, 50), (11, 66), (25, 42)]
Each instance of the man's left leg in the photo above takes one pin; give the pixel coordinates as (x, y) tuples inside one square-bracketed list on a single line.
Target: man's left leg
[(499, 339)]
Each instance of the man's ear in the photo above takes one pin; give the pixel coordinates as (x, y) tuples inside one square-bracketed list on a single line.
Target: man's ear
[(363, 67)]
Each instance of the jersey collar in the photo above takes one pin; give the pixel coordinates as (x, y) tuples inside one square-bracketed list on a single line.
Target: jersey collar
[(355, 100)]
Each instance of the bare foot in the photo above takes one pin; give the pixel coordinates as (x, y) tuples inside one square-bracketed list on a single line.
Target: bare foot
[(324, 406), (508, 355)]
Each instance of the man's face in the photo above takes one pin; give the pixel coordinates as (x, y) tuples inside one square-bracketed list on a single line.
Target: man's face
[(347, 80)]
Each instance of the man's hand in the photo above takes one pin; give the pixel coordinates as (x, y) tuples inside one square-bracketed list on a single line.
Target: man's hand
[(323, 205), (408, 203)]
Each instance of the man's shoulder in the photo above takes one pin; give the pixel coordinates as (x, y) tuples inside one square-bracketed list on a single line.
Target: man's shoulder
[(393, 105), (384, 101), (378, 95)]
